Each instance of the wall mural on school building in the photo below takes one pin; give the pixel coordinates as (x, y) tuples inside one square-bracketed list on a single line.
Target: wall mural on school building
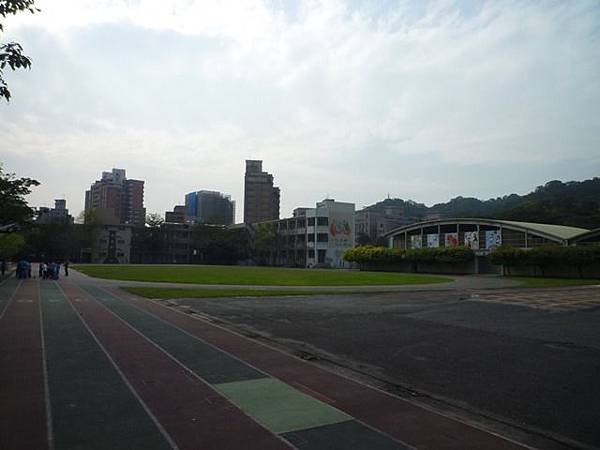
[(340, 232)]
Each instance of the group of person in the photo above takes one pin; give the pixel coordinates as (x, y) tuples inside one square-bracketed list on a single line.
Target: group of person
[(46, 271)]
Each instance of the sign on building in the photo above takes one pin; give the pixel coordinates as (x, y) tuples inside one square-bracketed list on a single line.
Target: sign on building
[(451, 239), (433, 240), (493, 239), (472, 240)]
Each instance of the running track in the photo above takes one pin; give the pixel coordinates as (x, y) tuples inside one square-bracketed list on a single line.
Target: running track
[(92, 368)]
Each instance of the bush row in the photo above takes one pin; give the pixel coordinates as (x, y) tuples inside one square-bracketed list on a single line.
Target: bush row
[(545, 256), (368, 254)]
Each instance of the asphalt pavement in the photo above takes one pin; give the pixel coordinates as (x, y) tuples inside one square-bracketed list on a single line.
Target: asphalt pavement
[(531, 369)]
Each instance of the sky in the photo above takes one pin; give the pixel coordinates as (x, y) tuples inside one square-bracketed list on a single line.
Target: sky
[(351, 100)]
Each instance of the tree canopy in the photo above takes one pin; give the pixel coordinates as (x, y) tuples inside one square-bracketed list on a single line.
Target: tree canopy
[(13, 207), (11, 53)]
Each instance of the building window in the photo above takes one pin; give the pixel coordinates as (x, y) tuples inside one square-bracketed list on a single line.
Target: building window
[(322, 237), (311, 221), (322, 221), (311, 253), (321, 256), (311, 237)]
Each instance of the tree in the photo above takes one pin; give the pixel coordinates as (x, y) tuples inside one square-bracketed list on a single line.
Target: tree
[(13, 207), (154, 220), (10, 244), (265, 241), (11, 53)]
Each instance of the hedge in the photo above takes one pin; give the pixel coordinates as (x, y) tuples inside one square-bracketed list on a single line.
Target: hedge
[(547, 255), (369, 254)]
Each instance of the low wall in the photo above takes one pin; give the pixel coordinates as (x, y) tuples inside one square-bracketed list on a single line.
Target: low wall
[(483, 265), (439, 268)]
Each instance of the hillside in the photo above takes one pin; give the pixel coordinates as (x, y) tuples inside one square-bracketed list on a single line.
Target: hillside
[(574, 203)]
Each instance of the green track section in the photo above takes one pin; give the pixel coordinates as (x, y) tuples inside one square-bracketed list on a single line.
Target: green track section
[(7, 289), (279, 407), (92, 407), (206, 361), (342, 436), (304, 421)]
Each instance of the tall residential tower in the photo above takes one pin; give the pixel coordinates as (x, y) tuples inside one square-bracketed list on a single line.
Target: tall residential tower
[(261, 198), (116, 200)]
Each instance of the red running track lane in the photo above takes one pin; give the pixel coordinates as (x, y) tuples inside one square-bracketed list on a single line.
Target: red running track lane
[(23, 419), (192, 413), (402, 419)]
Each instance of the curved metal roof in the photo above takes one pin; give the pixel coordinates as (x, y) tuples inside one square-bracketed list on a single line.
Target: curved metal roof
[(586, 235), (553, 232)]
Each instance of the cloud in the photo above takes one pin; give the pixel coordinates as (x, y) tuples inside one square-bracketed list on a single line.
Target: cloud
[(355, 99)]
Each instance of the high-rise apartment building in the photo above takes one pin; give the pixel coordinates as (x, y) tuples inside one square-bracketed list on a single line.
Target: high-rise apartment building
[(209, 207), (116, 200), (261, 198)]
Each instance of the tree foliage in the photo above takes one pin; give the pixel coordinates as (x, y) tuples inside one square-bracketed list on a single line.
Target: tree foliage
[(219, 245), (13, 207), (154, 220), (546, 256), (574, 203), (11, 53), (10, 245)]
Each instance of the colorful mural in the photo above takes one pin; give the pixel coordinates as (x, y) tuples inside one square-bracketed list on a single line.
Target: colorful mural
[(493, 239), (340, 227), (433, 240), (472, 240), (451, 239)]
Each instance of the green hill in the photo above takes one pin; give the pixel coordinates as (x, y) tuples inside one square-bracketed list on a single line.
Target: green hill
[(574, 203)]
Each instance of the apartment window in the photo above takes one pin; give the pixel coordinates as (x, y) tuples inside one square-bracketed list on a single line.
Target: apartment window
[(322, 237), (311, 253), (311, 221), (322, 221), (311, 237)]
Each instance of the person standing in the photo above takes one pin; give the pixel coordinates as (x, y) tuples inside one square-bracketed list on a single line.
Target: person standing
[(3, 267), (67, 268)]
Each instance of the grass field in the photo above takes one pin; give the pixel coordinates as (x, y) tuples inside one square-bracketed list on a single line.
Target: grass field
[(535, 282), (154, 292), (253, 276)]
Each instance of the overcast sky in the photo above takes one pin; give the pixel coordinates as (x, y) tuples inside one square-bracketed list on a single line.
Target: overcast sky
[(352, 100)]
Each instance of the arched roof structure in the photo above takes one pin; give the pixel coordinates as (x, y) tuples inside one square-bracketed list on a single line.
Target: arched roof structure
[(556, 233)]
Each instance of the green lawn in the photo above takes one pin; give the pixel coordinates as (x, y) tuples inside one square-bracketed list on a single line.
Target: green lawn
[(253, 276), (535, 282), (154, 292)]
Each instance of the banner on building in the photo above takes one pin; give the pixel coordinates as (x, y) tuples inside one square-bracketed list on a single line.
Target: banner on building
[(493, 239), (416, 241), (433, 240), (472, 240), (451, 239)]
